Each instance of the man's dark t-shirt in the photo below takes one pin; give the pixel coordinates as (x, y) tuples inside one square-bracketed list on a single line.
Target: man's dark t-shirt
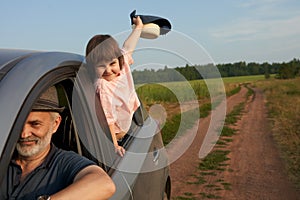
[(54, 174)]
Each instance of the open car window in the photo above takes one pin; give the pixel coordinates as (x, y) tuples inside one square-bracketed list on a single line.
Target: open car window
[(67, 137)]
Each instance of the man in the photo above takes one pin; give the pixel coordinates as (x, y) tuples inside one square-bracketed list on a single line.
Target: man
[(39, 170)]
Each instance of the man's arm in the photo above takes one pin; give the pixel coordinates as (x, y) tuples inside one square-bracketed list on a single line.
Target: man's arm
[(90, 183), (132, 40)]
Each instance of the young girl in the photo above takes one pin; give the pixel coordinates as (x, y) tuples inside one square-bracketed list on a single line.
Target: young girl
[(113, 81)]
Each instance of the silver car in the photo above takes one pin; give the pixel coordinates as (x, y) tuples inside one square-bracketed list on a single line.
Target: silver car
[(142, 173)]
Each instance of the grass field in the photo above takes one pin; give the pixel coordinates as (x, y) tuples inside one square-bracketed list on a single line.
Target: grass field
[(174, 92), (170, 95), (244, 79)]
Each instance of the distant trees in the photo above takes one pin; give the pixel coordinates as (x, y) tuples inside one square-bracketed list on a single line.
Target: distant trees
[(189, 72), (289, 70), (161, 75), (282, 71)]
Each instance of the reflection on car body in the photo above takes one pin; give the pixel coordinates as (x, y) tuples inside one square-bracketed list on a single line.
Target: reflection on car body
[(142, 173)]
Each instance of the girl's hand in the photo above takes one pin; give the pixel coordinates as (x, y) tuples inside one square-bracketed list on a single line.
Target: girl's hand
[(138, 22), (120, 150)]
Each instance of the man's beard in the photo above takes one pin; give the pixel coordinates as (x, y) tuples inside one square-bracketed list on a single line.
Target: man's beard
[(31, 150)]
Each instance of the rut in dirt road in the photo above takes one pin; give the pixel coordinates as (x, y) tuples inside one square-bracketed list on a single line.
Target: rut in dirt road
[(182, 169), (257, 170), (254, 171)]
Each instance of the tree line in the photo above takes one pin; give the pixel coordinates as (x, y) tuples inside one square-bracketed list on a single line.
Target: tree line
[(284, 70)]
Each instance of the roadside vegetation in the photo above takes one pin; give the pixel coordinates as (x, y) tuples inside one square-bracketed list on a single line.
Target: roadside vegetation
[(283, 102)]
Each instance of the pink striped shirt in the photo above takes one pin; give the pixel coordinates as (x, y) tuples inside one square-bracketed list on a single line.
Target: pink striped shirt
[(118, 98)]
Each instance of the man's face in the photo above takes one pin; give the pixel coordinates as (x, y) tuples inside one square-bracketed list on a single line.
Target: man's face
[(37, 132)]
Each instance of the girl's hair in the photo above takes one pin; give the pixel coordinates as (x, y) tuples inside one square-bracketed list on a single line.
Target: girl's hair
[(103, 48)]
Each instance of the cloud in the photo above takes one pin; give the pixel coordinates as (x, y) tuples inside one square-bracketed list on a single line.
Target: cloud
[(256, 29), (265, 19), (258, 3)]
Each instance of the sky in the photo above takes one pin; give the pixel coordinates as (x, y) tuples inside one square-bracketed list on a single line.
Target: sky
[(218, 31)]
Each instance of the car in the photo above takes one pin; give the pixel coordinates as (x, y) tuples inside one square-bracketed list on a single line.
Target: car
[(143, 173)]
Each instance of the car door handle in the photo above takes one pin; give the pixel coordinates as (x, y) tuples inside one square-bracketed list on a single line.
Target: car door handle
[(155, 155)]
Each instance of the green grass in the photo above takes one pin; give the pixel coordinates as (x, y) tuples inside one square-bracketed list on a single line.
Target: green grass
[(209, 196), (181, 122), (205, 110), (199, 180), (178, 124), (235, 114), (234, 91), (191, 90), (227, 131), (206, 173), (172, 92), (227, 186), (187, 196), (244, 79), (214, 160)]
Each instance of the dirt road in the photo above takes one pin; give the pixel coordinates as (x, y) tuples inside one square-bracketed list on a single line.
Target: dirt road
[(254, 171)]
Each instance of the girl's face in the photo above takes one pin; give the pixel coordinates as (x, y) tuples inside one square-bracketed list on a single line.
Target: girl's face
[(108, 70)]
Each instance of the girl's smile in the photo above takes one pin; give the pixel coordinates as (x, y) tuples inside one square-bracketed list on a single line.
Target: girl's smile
[(109, 70)]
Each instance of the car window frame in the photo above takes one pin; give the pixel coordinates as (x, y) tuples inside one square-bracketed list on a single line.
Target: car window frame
[(50, 78)]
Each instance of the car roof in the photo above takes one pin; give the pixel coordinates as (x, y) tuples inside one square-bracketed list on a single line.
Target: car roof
[(11, 54)]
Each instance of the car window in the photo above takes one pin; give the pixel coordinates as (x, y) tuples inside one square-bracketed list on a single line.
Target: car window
[(67, 136)]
